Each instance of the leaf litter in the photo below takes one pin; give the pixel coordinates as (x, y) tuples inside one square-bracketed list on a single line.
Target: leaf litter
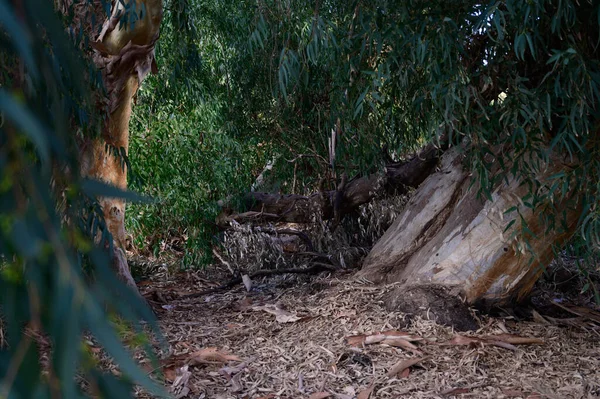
[(333, 338)]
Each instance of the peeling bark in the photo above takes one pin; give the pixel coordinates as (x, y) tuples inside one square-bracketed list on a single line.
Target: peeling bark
[(449, 237), (124, 55)]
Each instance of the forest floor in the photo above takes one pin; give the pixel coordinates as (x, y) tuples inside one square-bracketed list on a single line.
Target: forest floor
[(330, 336)]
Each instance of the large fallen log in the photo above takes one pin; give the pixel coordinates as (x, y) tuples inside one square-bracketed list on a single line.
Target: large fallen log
[(292, 208)]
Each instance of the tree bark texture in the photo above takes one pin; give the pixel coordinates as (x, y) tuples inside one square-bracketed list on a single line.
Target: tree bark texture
[(291, 208), (124, 55), (448, 236)]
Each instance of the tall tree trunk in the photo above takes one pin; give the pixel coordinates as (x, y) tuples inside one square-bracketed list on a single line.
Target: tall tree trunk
[(448, 237), (125, 55)]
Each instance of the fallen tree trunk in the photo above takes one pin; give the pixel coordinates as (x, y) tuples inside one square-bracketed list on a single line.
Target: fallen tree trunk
[(448, 236), (291, 208)]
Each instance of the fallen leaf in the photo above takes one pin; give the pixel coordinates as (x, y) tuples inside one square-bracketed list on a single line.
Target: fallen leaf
[(405, 373), (236, 384), (287, 318), (374, 339), (281, 315), (180, 388), (229, 372), (502, 326), (350, 313), (515, 339), (538, 318), (247, 282), (404, 364), (355, 340), (366, 393), (401, 334), (245, 304), (455, 391), (210, 356), (170, 373), (320, 395), (378, 337), (402, 343)]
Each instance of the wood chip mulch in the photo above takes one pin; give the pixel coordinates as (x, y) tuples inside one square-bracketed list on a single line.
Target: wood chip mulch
[(331, 337)]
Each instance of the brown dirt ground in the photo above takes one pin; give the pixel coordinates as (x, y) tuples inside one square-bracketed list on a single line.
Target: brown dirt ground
[(311, 355)]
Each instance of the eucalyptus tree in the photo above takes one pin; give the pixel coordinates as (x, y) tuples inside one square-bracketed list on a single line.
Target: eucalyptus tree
[(506, 91), (514, 87)]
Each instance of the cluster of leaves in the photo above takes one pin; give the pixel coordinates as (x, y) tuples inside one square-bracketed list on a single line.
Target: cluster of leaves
[(187, 165), (515, 82), (51, 226)]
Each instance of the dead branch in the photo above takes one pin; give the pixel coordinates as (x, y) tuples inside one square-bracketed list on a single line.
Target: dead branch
[(315, 268), (396, 178), (223, 261)]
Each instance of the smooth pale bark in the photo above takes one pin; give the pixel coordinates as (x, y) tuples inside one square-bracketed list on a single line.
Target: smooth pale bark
[(448, 237), (125, 56)]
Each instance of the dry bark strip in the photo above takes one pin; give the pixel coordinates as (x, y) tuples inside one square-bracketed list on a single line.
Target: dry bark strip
[(293, 208), (404, 364)]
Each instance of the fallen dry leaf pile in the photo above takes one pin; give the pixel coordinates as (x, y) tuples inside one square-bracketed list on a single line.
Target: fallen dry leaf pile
[(316, 337)]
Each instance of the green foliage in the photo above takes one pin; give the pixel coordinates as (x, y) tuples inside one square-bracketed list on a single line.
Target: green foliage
[(187, 164), (48, 234), (187, 149)]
